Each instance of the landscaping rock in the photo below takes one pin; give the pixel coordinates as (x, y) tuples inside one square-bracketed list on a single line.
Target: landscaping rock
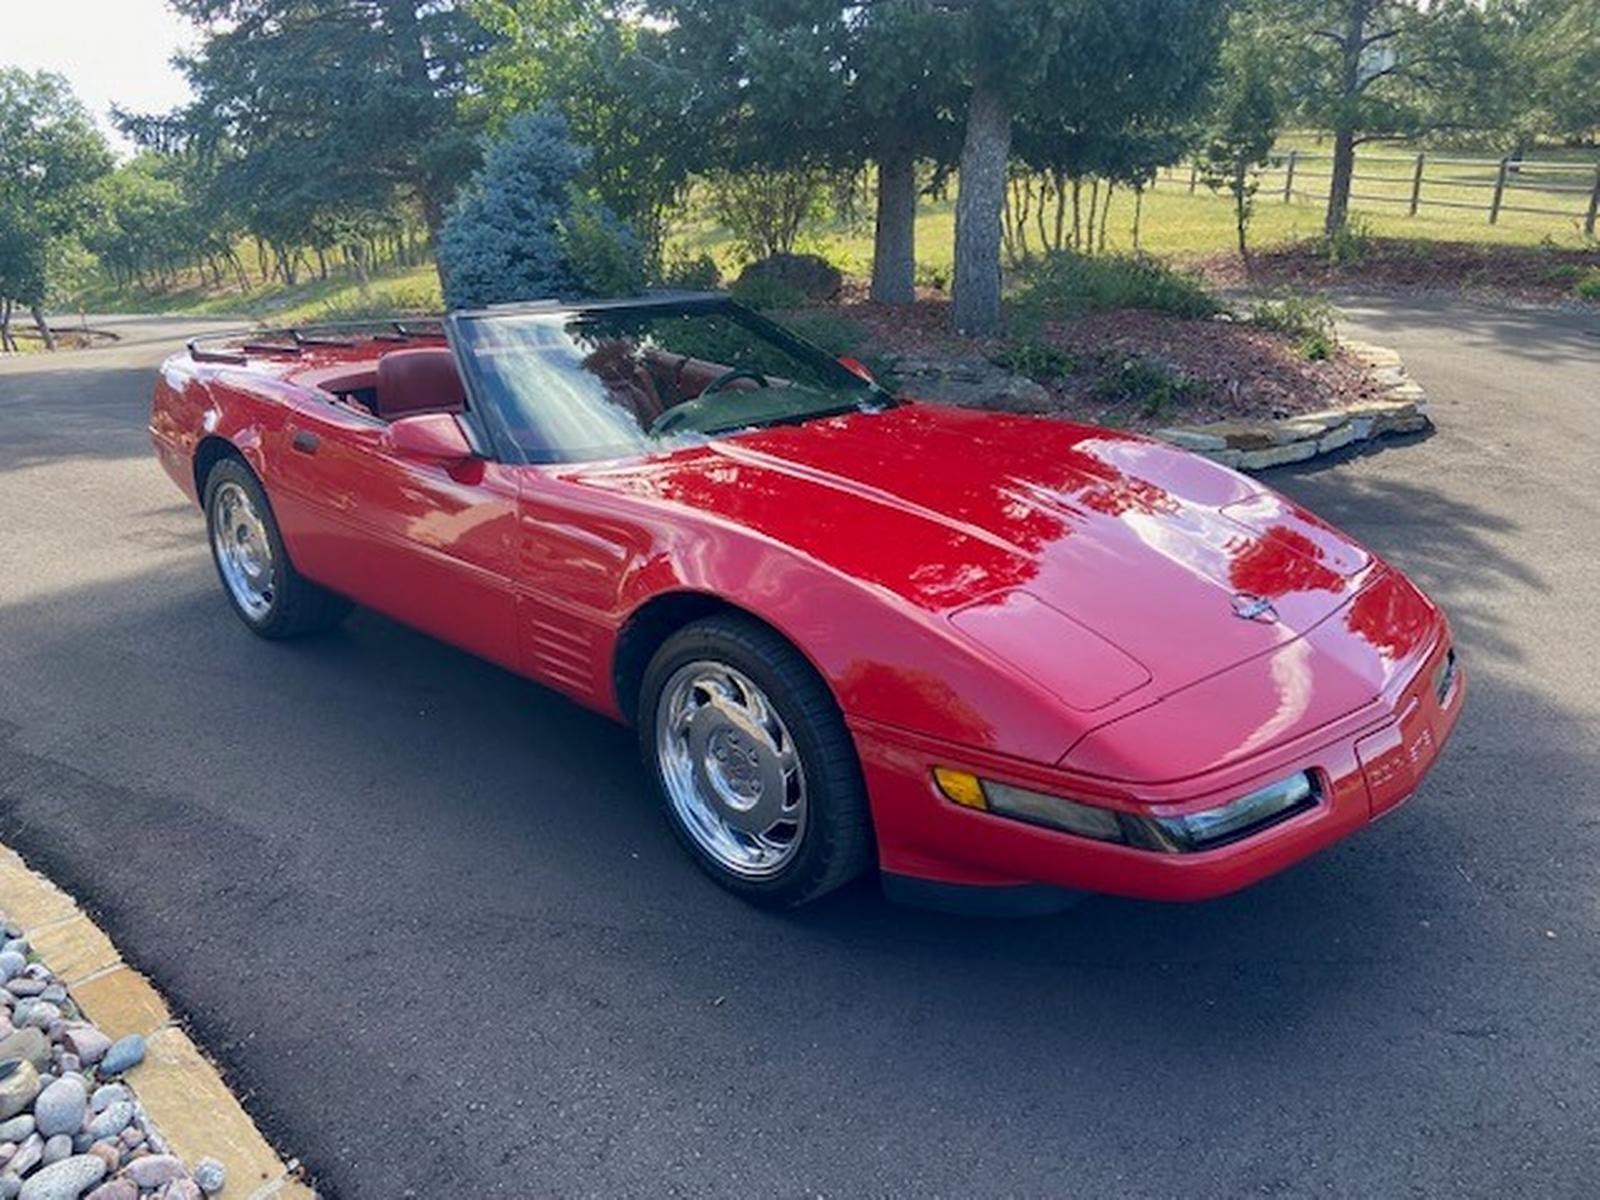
[(154, 1170), (970, 382), (125, 1054), (11, 964), (29, 1044), (112, 1121), (10, 1185), (60, 1107), (27, 1156), (17, 946), (108, 1153), (210, 1175), (38, 1013), (106, 1095), (65, 1180), (1277, 456), (17, 1128), (56, 1148), (19, 1084), (25, 985), (182, 1189), (1192, 439), (115, 1189), (86, 1042)]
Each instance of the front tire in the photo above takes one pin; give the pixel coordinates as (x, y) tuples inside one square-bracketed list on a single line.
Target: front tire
[(268, 594), (757, 773)]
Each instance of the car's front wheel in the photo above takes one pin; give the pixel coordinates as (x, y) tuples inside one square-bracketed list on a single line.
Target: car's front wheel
[(757, 772), (269, 595)]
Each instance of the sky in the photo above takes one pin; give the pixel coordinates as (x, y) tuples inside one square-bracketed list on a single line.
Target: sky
[(109, 50)]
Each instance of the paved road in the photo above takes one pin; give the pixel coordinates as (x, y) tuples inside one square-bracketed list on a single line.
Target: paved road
[(425, 914)]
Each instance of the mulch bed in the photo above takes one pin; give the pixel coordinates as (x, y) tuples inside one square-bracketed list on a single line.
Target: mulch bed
[(1242, 372), (1535, 274)]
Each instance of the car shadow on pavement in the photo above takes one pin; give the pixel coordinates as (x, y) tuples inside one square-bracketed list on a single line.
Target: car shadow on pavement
[(369, 826)]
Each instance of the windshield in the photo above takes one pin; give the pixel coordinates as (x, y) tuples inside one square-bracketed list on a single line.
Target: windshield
[(612, 382)]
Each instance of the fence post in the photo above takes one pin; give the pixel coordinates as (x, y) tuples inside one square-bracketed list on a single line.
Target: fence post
[(1194, 176), (1416, 186), (1288, 177), (1594, 205), (1499, 191)]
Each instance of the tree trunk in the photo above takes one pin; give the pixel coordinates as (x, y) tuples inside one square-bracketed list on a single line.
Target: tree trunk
[(7, 342), (1138, 213), (981, 195), (44, 326), (1241, 206), (1344, 132), (894, 237)]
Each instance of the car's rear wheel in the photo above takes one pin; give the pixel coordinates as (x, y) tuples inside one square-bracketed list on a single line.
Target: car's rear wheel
[(269, 595), (757, 773)]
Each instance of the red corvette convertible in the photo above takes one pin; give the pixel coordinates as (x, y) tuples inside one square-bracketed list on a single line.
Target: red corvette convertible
[(1006, 660)]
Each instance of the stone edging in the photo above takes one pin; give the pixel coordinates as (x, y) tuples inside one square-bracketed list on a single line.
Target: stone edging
[(182, 1094), (1256, 445)]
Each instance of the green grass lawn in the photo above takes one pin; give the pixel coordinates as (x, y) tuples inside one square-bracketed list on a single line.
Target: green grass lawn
[(400, 289)]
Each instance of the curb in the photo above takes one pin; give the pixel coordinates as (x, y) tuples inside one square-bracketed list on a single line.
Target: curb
[(1257, 445), (183, 1095)]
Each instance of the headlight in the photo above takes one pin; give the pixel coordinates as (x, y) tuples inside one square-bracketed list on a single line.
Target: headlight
[(1193, 831)]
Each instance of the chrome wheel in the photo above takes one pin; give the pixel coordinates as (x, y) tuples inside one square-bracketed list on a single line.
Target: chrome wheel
[(243, 549), (732, 773)]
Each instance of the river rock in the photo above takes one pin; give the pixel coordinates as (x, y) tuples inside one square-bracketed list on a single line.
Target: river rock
[(65, 1180), (154, 1170), (24, 985), (27, 1156), (11, 964), (108, 1153), (210, 1175), (26, 1044), (112, 1121), (108, 1094), (125, 1054), (115, 1189), (10, 1185), (17, 1128), (183, 1189), (19, 1084), (60, 1107), (56, 993), (17, 945), (41, 1014), (56, 1148), (87, 1042)]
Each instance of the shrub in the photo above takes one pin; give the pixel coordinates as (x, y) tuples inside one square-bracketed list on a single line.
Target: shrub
[(836, 335), (1348, 244), (521, 231), (765, 209), (1589, 286), (813, 277), (763, 293), (929, 276), (1309, 320), (1153, 386), (1035, 358), (1065, 283), (692, 272)]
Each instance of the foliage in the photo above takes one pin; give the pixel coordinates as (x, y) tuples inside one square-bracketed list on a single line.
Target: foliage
[(1244, 122), (764, 292), (1153, 386), (765, 208), (834, 334), (1589, 286), (1068, 284), (682, 268), (1348, 244), (522, 231), (809, 275), (1036, 358), (1307, 318), (50, 157)]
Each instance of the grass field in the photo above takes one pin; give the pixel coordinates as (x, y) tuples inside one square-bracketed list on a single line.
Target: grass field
[(1178, 223), (1175, 223)]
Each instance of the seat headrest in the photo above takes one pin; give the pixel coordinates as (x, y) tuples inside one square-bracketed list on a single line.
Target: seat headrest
[(424, 380)]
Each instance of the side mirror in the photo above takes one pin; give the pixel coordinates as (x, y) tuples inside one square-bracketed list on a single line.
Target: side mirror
[(857, 368), (429, 437)]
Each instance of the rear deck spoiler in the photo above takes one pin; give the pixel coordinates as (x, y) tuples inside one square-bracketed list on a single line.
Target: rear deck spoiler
[(292, 341)]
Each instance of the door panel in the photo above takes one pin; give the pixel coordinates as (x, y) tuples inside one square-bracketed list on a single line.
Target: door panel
[(428, 546)]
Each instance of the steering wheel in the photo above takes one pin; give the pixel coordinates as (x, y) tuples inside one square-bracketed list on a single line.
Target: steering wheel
[(679, 413)]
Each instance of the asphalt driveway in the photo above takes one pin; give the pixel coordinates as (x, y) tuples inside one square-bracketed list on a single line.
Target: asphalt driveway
[(424, 913)]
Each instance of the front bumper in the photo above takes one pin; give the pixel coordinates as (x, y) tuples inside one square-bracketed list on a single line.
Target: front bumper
[(1366, 764)]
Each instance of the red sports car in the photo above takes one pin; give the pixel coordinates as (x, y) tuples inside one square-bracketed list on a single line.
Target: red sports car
[(1003, 659)]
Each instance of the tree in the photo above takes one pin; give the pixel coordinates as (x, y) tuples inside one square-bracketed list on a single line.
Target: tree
[(523, 231), (50, 156), (1371, 69), (331, 111), (1555, 55), (1244, 124)]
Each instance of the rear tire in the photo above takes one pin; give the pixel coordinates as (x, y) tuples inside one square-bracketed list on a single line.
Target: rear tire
[(757, 774), (266, 592)]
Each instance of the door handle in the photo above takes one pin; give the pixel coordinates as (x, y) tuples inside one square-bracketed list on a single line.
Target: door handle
[(305, 441)]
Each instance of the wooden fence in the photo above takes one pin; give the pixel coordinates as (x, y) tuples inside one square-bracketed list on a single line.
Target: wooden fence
[(1489, 185)]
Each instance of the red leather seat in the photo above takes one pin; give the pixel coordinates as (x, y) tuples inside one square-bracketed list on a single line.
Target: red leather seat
[(423, 380)]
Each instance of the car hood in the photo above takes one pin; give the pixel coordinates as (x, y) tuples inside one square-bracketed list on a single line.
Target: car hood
[(1099, 563)]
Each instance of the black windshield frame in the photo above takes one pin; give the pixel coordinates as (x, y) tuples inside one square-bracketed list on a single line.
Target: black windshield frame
[(483, 399)]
